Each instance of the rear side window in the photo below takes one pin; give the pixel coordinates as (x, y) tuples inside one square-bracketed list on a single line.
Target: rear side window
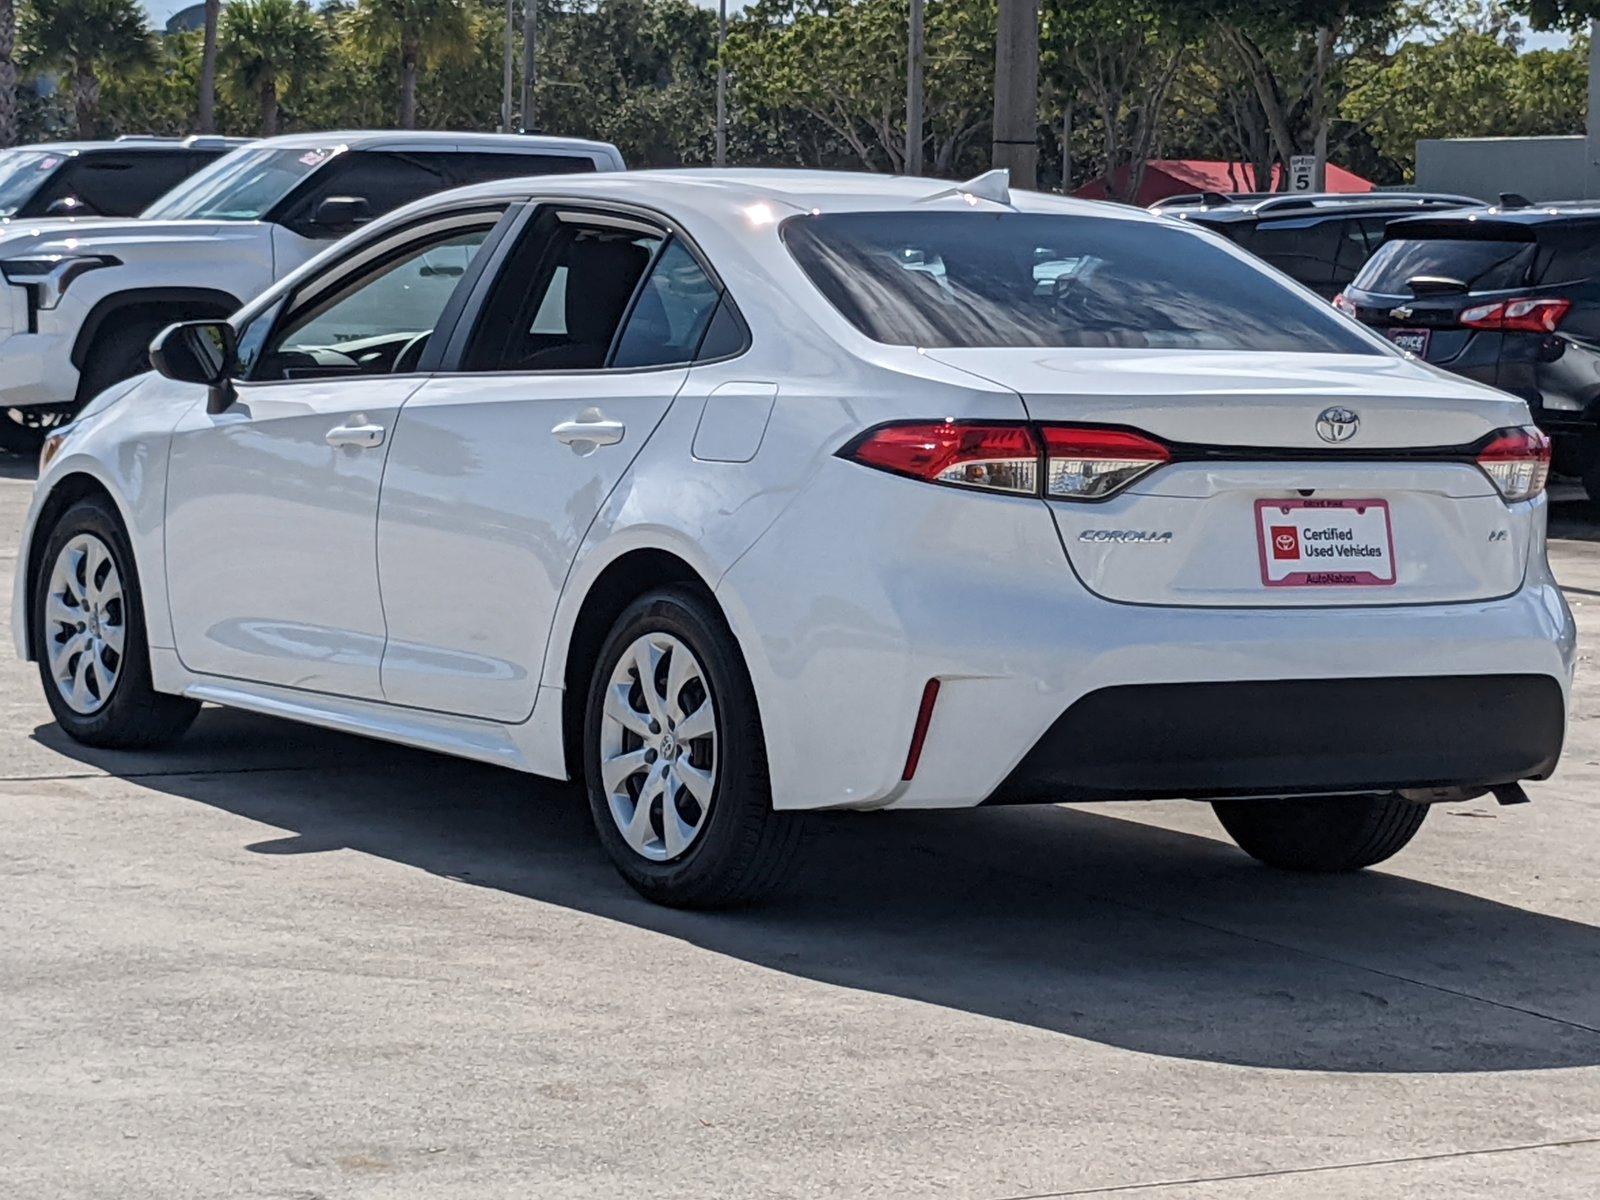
[(671, 313), (955, 279), (1570, 259), (481, 168), (1482, 265), (1303, 250)]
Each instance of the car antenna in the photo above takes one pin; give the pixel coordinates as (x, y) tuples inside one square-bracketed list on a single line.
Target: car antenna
[(992, 185), (1514, 200)]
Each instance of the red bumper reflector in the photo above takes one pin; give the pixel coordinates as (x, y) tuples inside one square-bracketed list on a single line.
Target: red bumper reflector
[(930, 693)]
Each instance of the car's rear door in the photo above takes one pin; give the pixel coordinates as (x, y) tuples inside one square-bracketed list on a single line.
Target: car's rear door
[(580, 342)]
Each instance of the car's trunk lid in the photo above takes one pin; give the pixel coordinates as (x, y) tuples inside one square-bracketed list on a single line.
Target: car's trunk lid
[(1249, 463)]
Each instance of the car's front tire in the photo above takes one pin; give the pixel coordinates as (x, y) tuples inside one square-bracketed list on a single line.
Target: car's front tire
[(675, 762), (1321, 833), (89, 636)]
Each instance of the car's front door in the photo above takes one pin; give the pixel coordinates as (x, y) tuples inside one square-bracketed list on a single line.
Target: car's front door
[(272, 503), (583, 338)]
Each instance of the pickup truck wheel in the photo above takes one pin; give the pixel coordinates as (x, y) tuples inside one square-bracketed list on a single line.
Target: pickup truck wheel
[(1321, 833), (23, 430)]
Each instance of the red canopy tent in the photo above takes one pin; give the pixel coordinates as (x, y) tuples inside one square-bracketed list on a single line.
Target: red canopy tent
[(1165, 177)]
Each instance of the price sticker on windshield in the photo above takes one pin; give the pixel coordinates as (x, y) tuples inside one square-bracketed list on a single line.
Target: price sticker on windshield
[(1325, 543)]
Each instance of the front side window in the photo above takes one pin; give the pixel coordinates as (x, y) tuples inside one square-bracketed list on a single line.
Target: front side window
[(22, 173), (377, 323), (113, 184), (241, 186), (970, 279)]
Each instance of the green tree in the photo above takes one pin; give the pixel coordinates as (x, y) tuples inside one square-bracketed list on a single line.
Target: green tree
[(1466, 84), (1123, 56), (86, 39), (420, 34), (842, 66), (8, 73), (267, 46)]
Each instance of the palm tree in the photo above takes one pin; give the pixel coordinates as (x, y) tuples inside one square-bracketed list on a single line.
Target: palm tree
[(266, 43), (8, 72), (421, 32), (85, 38), (206, 121)]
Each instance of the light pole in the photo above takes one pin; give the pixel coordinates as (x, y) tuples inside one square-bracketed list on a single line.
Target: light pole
[(505, 87), (530, 42), (914, 92), (722, 85)]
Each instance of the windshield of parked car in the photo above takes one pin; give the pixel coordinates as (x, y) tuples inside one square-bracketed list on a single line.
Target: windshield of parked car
[(1482, 265), (972, 279), (22, 173), (241, 186)]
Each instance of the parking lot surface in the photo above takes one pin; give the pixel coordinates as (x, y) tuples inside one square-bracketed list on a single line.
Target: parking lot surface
[(278, 962)]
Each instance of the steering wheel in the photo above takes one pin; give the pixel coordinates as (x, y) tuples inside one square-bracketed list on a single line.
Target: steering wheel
[(411, 353)]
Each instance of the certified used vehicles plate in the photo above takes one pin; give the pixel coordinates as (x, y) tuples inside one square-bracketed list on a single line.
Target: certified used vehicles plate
[(1414, 340), (1325, 543)]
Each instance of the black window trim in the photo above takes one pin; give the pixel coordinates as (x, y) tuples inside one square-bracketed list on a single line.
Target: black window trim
[(368, 252), (637, 216)]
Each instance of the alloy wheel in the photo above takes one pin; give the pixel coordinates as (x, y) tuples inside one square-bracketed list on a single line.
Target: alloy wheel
[(85, 623), (658, 746)]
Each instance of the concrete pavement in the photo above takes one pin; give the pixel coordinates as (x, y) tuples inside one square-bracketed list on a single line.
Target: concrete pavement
[(279, 962)]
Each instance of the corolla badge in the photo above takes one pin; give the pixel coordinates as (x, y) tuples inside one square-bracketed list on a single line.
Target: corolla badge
[(1337, 424)]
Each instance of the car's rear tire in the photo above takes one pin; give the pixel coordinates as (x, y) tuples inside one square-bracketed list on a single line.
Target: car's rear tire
[(1591, 472), (89, 636), (1321, 833), (675, 765)]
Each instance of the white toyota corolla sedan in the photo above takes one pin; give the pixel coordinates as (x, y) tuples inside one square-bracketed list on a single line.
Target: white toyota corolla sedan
[(736, 494)]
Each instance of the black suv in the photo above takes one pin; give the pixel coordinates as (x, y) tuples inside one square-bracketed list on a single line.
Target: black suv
[(1320, 239), (100, 179), (1509, 296)]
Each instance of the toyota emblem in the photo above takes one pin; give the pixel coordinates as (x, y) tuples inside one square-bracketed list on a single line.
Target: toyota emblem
[(1337, 424)]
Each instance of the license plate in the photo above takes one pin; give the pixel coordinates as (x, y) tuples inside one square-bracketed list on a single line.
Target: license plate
[(1413, 340), (1325, 543)]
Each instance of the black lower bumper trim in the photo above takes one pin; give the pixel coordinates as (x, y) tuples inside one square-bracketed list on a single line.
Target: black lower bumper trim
[(1294, 737)]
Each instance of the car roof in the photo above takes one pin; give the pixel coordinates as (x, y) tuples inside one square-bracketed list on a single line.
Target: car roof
[(722, 192), (436, 139), (1221, 210), (137, 144)]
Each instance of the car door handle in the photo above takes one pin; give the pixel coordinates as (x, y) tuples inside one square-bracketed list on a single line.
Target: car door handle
[(591, 429), (364, 436)]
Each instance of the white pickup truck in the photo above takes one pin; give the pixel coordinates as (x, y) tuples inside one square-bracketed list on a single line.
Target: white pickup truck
[(81, 299)]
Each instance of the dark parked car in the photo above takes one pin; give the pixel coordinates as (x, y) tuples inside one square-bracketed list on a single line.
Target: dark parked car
[(1318, 239), (101, 179), (1509, 296)]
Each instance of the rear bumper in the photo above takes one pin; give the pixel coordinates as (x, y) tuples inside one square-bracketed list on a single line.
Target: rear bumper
[(1287, 737)]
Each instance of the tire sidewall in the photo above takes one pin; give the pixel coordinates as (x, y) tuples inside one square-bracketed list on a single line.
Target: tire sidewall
[(741, 776), (94, 516)]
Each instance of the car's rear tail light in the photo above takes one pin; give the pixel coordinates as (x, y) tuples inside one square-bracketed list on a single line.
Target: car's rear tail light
[(1078, 462), (1344, 304), (1517, 461), (1089, 463), (1517, 316), (1003, 458)]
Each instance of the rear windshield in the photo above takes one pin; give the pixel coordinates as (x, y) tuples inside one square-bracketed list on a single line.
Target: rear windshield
[(1024, 279), (1483, 266)]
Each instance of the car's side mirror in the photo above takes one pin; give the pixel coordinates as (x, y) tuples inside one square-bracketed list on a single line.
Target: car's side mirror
[(341, 213), (68, 206), (204, 352)]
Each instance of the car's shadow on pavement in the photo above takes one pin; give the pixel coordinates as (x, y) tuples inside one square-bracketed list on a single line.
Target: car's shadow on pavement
[(1074, 922)]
